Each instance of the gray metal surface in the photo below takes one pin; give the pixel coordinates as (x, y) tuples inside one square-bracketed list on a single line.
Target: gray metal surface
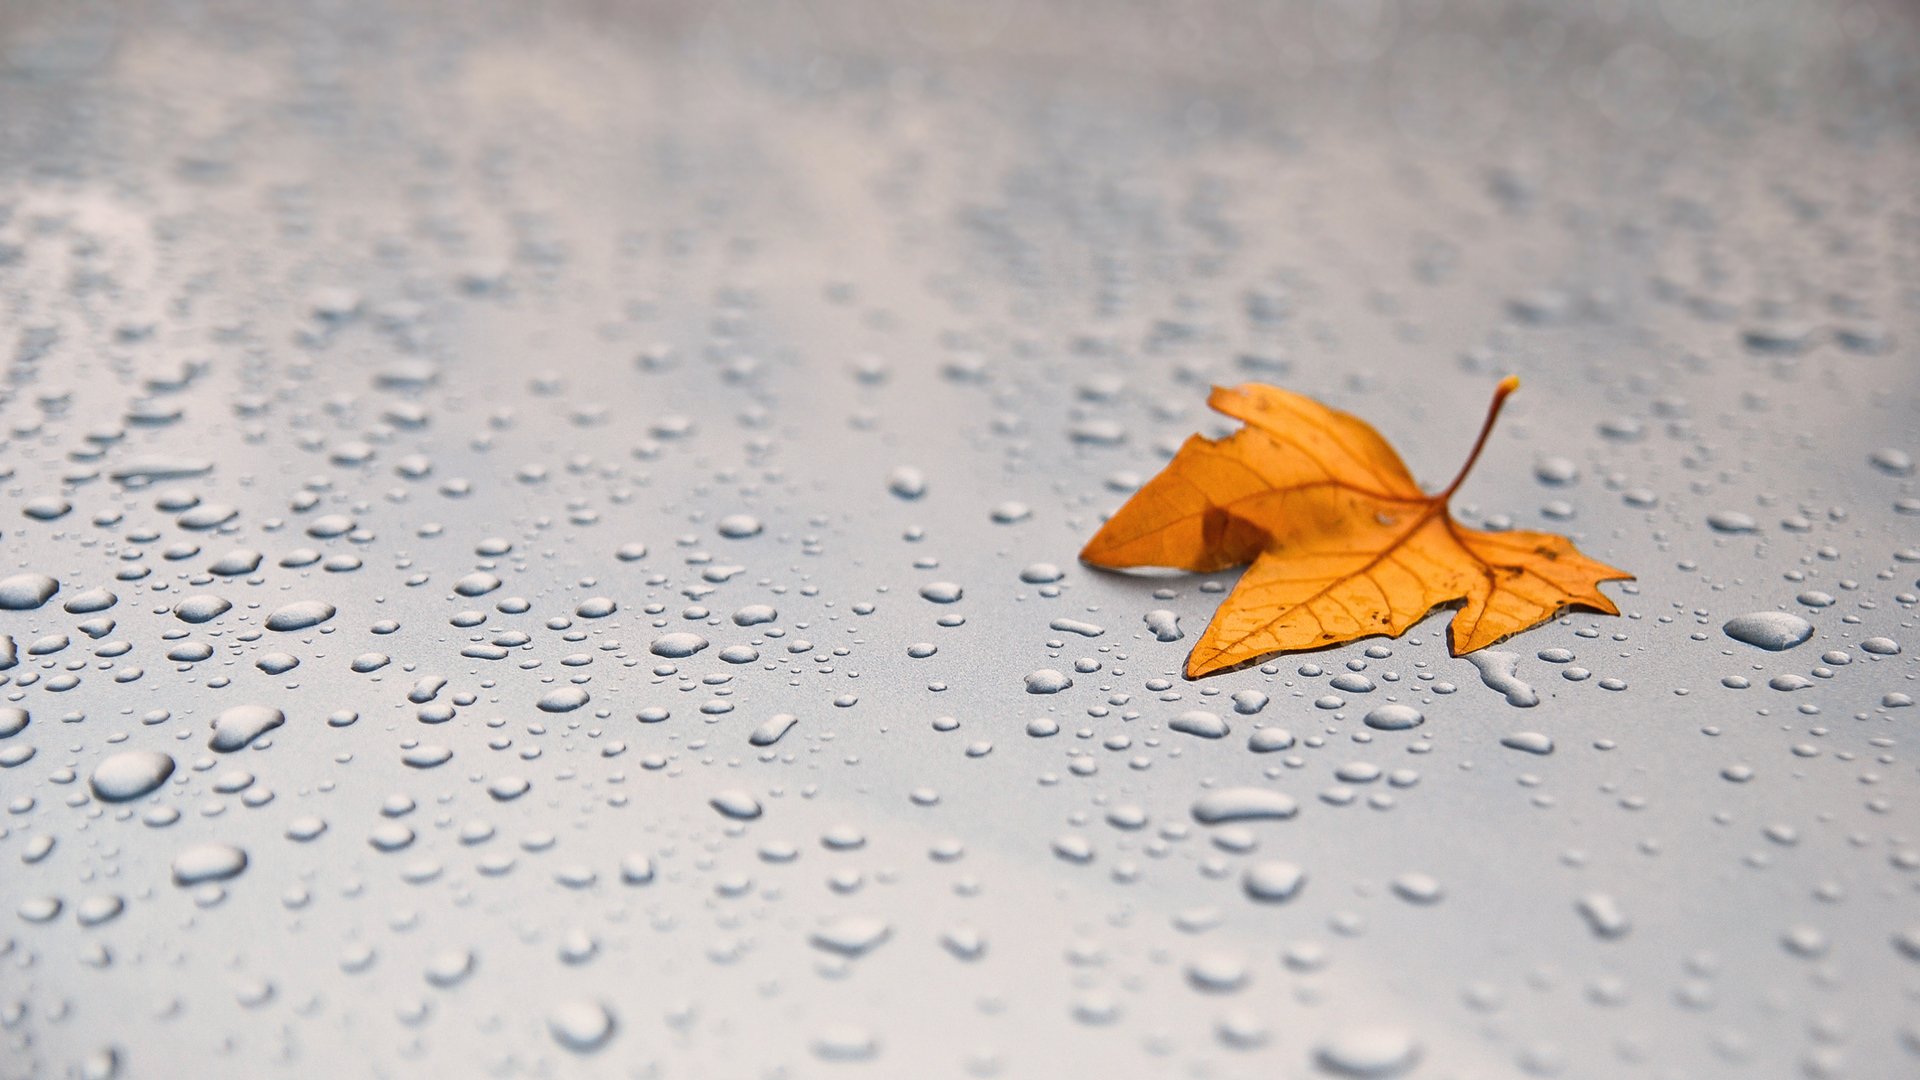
[(824, 304)]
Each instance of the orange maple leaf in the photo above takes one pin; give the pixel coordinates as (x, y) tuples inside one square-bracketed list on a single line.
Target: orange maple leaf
[(1343, 542)]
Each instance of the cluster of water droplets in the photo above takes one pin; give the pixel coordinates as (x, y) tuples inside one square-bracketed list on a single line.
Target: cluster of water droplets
[(440, 629)]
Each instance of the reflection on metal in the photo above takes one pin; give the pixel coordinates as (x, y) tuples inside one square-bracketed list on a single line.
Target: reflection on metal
[(540, 541)]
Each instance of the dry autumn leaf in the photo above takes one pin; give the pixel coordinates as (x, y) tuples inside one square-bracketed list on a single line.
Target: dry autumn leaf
[(1343, 542)]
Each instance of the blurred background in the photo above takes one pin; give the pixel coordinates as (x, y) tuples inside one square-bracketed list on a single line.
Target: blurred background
[(868, 311)]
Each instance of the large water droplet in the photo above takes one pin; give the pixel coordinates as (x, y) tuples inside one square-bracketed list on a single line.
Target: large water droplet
[(1047, 681), (238, 726), (300, 615), (677, 645), (1199, 722), (1498, 670), (1774, 631), (1244, 804), (24, 592), (130, 774), (201, 607)]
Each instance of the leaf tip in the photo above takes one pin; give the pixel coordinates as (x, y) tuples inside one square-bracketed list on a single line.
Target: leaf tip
[(1198, 667), (1091, 554), (1218, 396)]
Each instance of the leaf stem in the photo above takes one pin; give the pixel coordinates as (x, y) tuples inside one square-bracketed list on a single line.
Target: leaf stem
[(1500, 394)]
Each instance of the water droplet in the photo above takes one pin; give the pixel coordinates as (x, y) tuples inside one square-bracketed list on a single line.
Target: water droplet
[(426, 756), (40, 909), (1498, 671), (852, 935), (1073, 848), (770, 731), (580, 1025), (508, 788), (306, 827), (1369, 1053), (1273, 881), (1394, 717), (596, 607), (1732, 521), (1217, 973), (636, 869), (738, 526), (237, 727), (1557, 471), (1047, 681), (1164, 625), (1604, 916), (1244, 804), (845, 1042), (478, 583), (46, 508), (90, 601), (450, 967), (1248, 702), (1266, 740), (201, 608), (95, 910), (1774, 631), (130, 774), (1807, 942), (1201, 723), (203, 863), (1240, 1029), (236, 563), (1532, 742), (563, 699), (300, 615), (25, 592), (966, 943), (1893, 462), (677, 645), (736, 804), (941, 592), (1418, 888), (755, 615), (907, 482)]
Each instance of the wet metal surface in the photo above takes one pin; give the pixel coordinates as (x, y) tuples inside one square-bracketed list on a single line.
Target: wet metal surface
[(540, 542)]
